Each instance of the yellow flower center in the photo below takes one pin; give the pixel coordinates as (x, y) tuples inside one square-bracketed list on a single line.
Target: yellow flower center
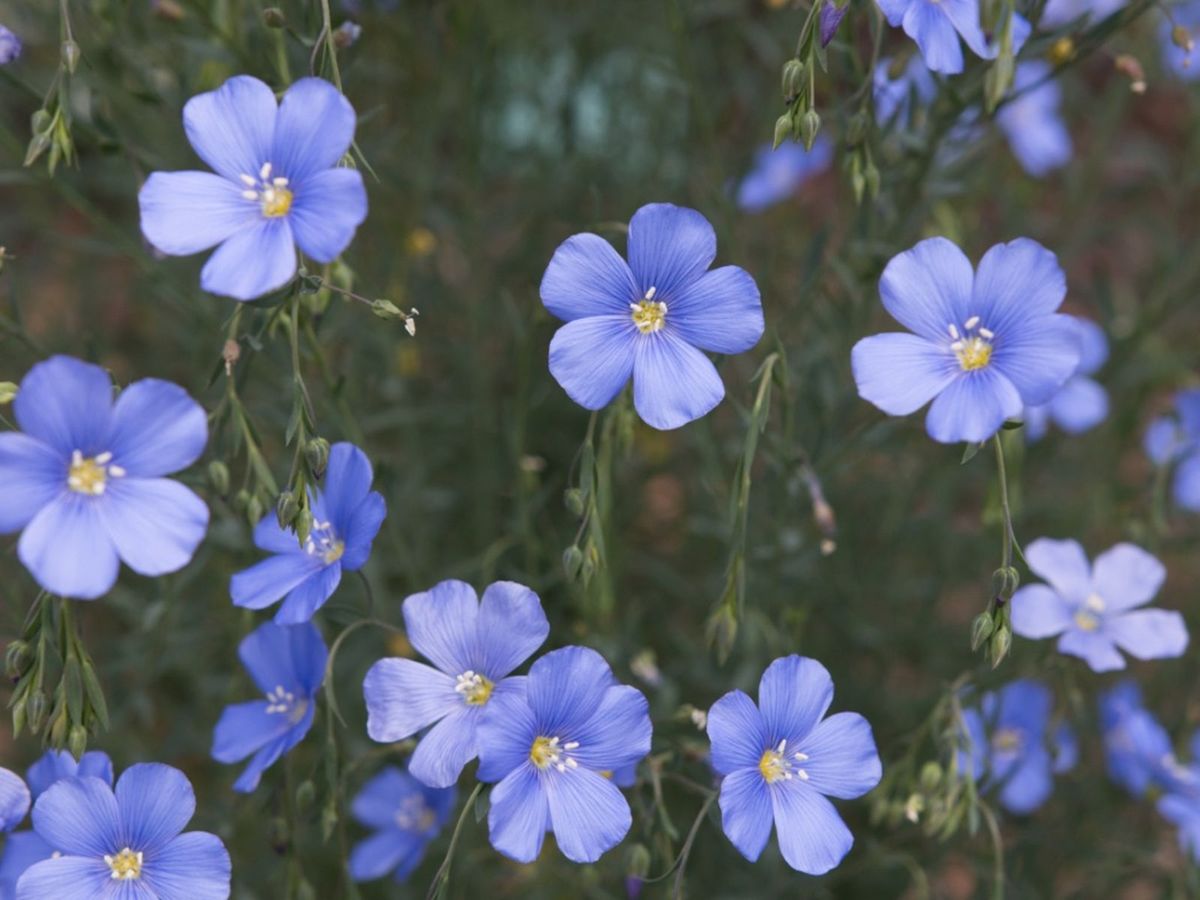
[(90, 475), (324, 543), (476, 689), (126, 865), (776, 765), (1087, 616), (972, 345), (272, 193), (649, 315), (1006, 740), (547, 752)]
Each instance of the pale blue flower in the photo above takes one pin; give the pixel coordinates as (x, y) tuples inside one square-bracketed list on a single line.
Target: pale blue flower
[(778, 173), (1061, 12), (899, 92), (1032, 120), (10, 46), (1176, 441), (405, 816), (1082, 402)]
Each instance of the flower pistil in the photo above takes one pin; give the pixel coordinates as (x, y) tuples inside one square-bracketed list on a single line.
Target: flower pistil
[(775, 765), (126, 865), (649, 315), (547, 752), (972, 345), (89, 475), (272, 194)]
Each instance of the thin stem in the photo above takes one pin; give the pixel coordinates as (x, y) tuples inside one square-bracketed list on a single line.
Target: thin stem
[(330, 45), (1002, 473), (442, 878)]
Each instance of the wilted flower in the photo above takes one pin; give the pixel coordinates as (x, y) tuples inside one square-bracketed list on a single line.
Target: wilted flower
[(782, 758), (986, 343), (10, 46), (475, 647), (651, 318), (778, 174), (84, 483), (347, 515), (405, 815), (1177, 441), (1032, 121), (130, 835), (553, 744), (1081, 403), (276, 187), (1093, 608), (287, 662)]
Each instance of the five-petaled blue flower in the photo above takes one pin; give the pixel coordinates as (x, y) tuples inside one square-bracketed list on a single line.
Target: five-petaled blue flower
[(778, 173), (1137, 749), (1032, 120), (553, 745), (650, 318), (347, 515), (287, 662), (987, 343), (85, 479), (1176, 441), (14, 800), (276, 185), (936, 26), (1081, 403), (1092, 609), (405, 815), (125, 843), (474, 646), (10, 46), (1006, 744), (782, 758)]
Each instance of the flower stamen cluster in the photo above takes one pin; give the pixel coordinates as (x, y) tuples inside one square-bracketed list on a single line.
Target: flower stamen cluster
[(272, 194), (89, 475), (547, 752), (776, 766), (126, 865)]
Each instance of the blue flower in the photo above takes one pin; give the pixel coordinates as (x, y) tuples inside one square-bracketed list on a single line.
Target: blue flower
[(1032, 121), (10, 47), (649, 319), (347, 515), (84, 483), (936, 26), (1137, 749), (1005, 744), (778, 174), (474, 646), (1177, 441), (287, 662), (782, 759), (1062, 12), (986, 343), (21, 850), (14, 800), (1093, 608), (131, 835), (277, 186), (552, 744), (897, 91), (1081, 403), (405, 815), (1183, 64)]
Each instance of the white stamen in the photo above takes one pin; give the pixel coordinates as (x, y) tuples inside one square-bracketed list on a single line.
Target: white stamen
[(265, 172), (248, 180), (650, 293), (987, 333), (250, 195), (971, 322), (571, 745), (116, 471), (953, 331)]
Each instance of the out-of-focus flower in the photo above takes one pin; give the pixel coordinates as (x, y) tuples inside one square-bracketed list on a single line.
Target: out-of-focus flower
[(14, 800), (1179, 59), (277, 186), (1061, 12), (1137, 749), (986, 343), (347, 515), (84, 481), (898, 89), (778, 174), (1092, 609), (287, 662), (1005, 744), (1081, 403), (405, 816), (650, 318), (549, 744), (1177, 441), (936, 26), (10, 46), (782, 758), (1032, 121), (125, 843), (347, 34), (474, 646)]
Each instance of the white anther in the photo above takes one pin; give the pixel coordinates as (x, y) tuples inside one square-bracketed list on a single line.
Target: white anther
[(571, 745), (265, 172), (971, 322), (248, 180), (953, 331), (987, 333), (650, 293)]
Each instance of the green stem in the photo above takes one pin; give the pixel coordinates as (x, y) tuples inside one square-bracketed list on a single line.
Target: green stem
[(330, 46), (442, 879), (1002, 473)]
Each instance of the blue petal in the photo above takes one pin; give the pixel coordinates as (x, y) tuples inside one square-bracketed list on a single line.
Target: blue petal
[(592, 358), (446, 749), (746, 816), (1126, 576), (1037, 422), (618, 733), (973, 745), (737, 733), (68, 550), (441, 625), (1038, 138), (32, 473), (1039, 612), (21, 850), (1063, 564), (779, 172), (934, 33), (66, 878), (360, 534), (1017, 282), (328, 209), (587, 277), (1027, 787), (973, 407), (1186, 487), (1080, 405), (309, 596), (673, 382), (511, 627), (156, 803), (588, 813), (155, 523), (1188, 405), (793, 694), (293, 657), (720, 312), (384, 852), (232, 128), (185, 212), (894, 10), (900, 373), (66, 404), (1037, 356), (1094, 648), (566, 687), (519, 815), (1024, 704), (404, 696), (245, 728), (266, 757), (194, 866), (268, 581), (505, 733), (157, 429), (1149, 633), (253, 262), (348, 480), (928, 288), (55, 765), (313, 130), (812, 836), (1066, 749), (14, 800), (964, 14), (376, 804), (78, 816), (669, 248), (1093, 346), (842, 759), (269, 536)]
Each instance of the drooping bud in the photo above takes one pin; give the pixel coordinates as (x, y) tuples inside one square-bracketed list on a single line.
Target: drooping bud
[(981, 629), (1000, 644), (831, 17), (810, 124), (316, 452), (70, 55), (792, 81), (287, 509), (783, 130), (273, 17), (77, 741), (572, 562), (8, 392), (218, 477)]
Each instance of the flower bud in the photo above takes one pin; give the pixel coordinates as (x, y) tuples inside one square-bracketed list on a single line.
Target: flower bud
[(218, 477), (17, 657), (35, 711), (40, 121), (1061, 51), (70, 55), (77, 741), (810, 124), (167, 10), (573, 499), (981, 629), (1000, 644), (638, 861), (783, 130), (254, 510), (273, 17), (346, 34), (305, 794), (931, 776), (316, 452), (871, 178), (287, 509), (831, 17), (793, 79), (572, 562)]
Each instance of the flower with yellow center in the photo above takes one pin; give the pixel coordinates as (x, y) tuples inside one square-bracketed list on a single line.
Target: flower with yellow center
[(972, 346), (476, 689), (272, 194), (1087, 616), (89, 475), (547, 752), (649, 315), (125, 866), (774, 765)]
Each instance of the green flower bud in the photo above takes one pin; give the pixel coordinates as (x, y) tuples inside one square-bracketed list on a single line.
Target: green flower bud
[(254, 511), (35, 711), (305, 794), (931, 776), (70, 55), (218, 476), (8, 392), (77, 741), (273, 17), (810, 124), (573, 498), (999, 645), (316, 452), (638, 861), (783, 129), (287, 509), (572, 562), (17, 658), (981, 629), (793, 79)]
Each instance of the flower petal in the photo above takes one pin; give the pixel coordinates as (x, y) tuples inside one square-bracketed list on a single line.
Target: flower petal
[(1149, 633), (403, 696), (1063, 564), (973, 407), (244, 729), (32, 473), (185, 212), (669, 248), (156, 803), (253, 262), (328, 209), (384, 852), (1094, 648), (78, 816), (1029, 784), (68, 550), (310, 595), (1037, 355), (1081, 404), (232, 128), (14, 800), (673, 382), (270, 754), (618, 733), (21, 850), (157, 429), (1017, 281), (446, 748), (268, 581), (442, 625), (588, 813), (348, 478), (1039, 612), (291, 657), (376, 804), (793, 694), (720, 312), (1186, 486), (66, 404), (927, 289), (934, 33), (812, 836), (737, 733), (587, 277), (155, 523), (365, 523), (194, 866), (566, 686), (1093, 345), (1126, 576), (313, 130), (842, 759), (506, 731), (964, 15), (66, 878), (519, 815), (900, 373), (592, 358), (270, 537), (511, 627), (746, 815)]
